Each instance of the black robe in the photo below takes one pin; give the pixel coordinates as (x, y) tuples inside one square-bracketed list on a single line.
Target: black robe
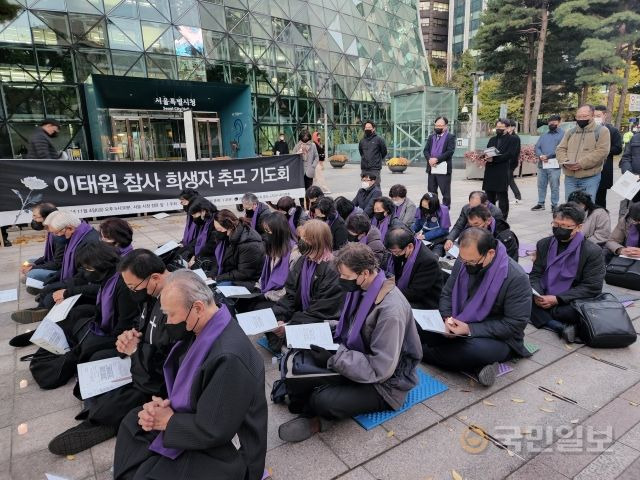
[(496, 172), (425, 283), (229, 399)]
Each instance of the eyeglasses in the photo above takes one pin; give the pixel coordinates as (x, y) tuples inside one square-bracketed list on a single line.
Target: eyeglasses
[(470, 263), (572, 227), (60, 232), (135, 289)]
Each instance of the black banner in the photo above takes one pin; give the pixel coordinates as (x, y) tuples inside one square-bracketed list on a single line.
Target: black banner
[(103, 188)]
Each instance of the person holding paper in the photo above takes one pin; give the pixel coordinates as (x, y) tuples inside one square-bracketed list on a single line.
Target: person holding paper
[(200, 250), (384, 216), (597, 223), (378, 354), (630, 161), (238, 256), (368, 192), (253, 211), (405, 208), (186, 198), (625, 238), (546, 152), (325, 210), (46, 266), (477, 197), (360, 230), (415, 269), (567, 267), (295, 214), (432, 222), (439, 149), (486, 303), (480, 217), (215, 384), (496, 170), (118, 233), (312, 293), (147, 344)]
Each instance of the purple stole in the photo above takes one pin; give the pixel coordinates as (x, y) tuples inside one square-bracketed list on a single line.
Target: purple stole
[(476, 308), (492, 225), (364, 239), (189, 231), (403, 282), (201, 241), (69, 260), (382, 226), (274, 279), (359, 303), (292, 225), (105, 302), (48, 248), (221, 246), (306, 278), (633, 237), (124, 250), (400, 209), (179, 377), (443, 217), (437, 144), (256, 214), (355, 211), (561, 269), (331, 221)]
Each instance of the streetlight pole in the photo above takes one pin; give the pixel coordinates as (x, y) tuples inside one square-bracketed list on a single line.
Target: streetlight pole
[(474, 110)]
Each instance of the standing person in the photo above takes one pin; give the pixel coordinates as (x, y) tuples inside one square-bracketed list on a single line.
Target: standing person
[(582, 153), (439, 148), (496, 171), (601, 117), (546, 149), (319, 178), (373, 151), (630, 162), (40, 144), (5, 236), (281, 147), (307, 148), (515, 162)]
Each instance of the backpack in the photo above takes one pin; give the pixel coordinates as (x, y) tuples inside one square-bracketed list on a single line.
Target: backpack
[(596, 132)]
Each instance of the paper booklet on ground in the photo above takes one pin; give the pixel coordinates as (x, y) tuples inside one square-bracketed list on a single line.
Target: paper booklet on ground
[(258, 321), (301, 336), (8, 295), (51, 476), (551, 163), (32, 282), (439, 169), (51, 337), (160, 215), (454, 251), (627, 185), (103, 375), (233, 290), (429, 320), (167, 247), (61, 310)]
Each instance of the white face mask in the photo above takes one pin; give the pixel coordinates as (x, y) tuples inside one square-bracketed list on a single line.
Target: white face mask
[(598, 120), (397, 203), (365, 185)]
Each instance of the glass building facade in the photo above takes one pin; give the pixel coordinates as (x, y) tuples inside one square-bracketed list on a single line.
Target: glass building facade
[(299, 59), (464, 22)]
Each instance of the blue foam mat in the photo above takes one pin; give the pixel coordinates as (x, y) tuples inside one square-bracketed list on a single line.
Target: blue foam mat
[(264, 343), (427, 387)]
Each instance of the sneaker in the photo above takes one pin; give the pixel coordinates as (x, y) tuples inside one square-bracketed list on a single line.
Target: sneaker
[(487, 376), (80, 438), (516, 202), (29, 315), (22, 340), (537, 207), (301, 428), (33, 291)]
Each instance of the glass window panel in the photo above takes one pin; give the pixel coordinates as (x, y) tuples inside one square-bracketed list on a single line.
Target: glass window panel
[(18, 65), (191, 18), (16, 31), (215, 45), (260, 26), (61, 102), (128, 9), (180, 7), (240, 49), (241, 74), (85, 6), (20, 134), (55, 65), (49, 28), (125, 34), (157, 37), (148, 12), (160, 6), (110, 5), (87, 30), (128, 64), (212, 17), (278, 25), (50, 5), (188, 41), (191, 69), (161, 66), (237, 21), (217, 73), (23, 102), (92, 61)]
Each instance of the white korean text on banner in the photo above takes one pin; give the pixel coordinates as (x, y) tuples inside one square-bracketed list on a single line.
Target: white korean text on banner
[(99, 188)]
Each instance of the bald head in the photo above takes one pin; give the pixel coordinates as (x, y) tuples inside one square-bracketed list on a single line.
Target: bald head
[(584, 112)]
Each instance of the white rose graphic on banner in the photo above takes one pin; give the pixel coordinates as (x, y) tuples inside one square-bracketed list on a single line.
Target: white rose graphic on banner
[(32, 183)]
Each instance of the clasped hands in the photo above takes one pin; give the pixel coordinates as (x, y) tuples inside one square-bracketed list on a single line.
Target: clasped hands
[(456, 327), (127, 342), (545, 301), (155, 415)]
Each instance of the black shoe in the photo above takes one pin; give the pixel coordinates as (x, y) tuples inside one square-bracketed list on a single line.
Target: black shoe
[(301, 428), (29, 315), (80, 438), (487, 376), (537, 207), (7, 243), (33, 291), (22, 340)]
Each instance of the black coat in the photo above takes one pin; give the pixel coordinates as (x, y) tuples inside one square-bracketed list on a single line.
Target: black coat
[(243, 258), (447, 152), (461, 223), (327, 298), (364, 199), (339, 232), (263, 209), (78, 284), (606, 180), (229, 398), (282, 147), (425, 283), (589, 276), (41, 147), (373, 151), (59, 244), (496, 172), (515, 160)]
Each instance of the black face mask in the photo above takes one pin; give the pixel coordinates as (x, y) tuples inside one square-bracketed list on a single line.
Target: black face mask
[(379, 216), (349, 285), (438, 130), (249, 213), (95, 277), (582, 123), (353, 238), (220, 236), (499, 132), (368, 133), (553, 128), (54, 134), (562, 234), (178, 331), (37, 225), (474, 269), (199, 221), (185, 208), (139, 296), (303, 247)]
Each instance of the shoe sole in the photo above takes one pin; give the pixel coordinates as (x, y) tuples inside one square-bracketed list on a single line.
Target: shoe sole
[(72, 442), (33, 291), (487, 377), (29, 316), (294, 432)]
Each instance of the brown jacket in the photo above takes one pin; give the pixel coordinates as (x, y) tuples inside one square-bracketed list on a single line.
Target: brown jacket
[(619, 234), (581, 147)]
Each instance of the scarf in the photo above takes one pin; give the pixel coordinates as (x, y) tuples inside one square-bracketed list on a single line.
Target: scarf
[(275, 278), (561, 268), (437, 144), (105, 301), (69, 260), (221, 246), (403, 282), (48, 248), (400, 209), (348, 330), (476, 308), (201, 239), (179, 377), (124, 250), (256, 214), (633, 236), (306, 279), (189, 231), (382, 226), (442, 215), (492, 225)]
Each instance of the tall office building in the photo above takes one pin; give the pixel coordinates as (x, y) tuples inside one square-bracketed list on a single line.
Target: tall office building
[(434, 24), (464, 22), (137, 79)]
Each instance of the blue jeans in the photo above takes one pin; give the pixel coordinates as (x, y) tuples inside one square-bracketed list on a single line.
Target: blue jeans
[(548, 176), (40, 274), (588, 184)]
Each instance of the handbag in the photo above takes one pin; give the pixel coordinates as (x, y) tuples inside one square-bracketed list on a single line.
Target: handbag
[(623, 272), (604, 322)]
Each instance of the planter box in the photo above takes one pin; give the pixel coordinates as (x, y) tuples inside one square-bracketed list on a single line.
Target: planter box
[(397, 168), (473, 171), (336, 164), (528, 168)]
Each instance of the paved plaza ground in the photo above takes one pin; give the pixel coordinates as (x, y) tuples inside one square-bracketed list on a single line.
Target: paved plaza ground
[(597, 437)]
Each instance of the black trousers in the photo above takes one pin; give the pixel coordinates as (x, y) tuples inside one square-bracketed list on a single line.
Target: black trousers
[(462, 354), (334, 397), (443, 182), (601, 196), (501, 199), (513, 186), (561, 313)]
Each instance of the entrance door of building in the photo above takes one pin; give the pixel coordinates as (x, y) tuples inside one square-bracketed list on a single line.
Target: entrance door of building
[(129, 138), (208, 138)]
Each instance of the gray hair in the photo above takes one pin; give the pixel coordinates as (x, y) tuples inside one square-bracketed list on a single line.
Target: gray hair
[(191, 286), (62, 220), (250, 197), (50, 217)]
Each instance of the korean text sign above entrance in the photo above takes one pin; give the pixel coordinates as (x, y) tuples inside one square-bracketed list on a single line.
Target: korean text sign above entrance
[(99, 189)]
